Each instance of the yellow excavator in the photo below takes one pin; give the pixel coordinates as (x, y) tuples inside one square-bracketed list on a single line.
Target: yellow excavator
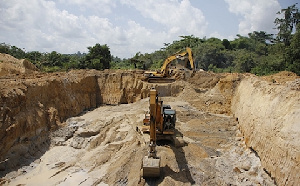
[(160, 123), (165, 75)]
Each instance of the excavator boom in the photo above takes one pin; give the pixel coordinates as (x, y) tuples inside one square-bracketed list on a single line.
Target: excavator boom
[(151, 163), (190, 57), (164, 75)]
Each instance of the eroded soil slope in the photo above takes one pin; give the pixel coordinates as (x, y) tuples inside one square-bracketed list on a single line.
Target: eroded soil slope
[(269, 118)]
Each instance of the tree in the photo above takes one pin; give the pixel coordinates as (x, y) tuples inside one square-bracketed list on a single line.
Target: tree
[(287, 24), (33, 56), (244, 61), (186, 41), (210, 54), (99, 57), (4, 48), (54, 59), (226, 44), (16, 52), (242, 42), (261, 36), (294, 53)]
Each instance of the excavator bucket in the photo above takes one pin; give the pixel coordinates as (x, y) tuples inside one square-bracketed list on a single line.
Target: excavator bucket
[(151, 167)]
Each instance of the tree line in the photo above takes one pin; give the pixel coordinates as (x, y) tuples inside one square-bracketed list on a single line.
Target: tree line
[(98, 57), (258, 52)]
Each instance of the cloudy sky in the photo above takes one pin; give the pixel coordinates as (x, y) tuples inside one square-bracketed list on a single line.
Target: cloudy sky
[(129, 26)]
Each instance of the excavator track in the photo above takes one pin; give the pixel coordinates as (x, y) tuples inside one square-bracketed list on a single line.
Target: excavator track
[(160, 80)]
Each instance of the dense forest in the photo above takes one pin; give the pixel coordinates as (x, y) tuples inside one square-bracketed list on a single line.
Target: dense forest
[(258, 52)]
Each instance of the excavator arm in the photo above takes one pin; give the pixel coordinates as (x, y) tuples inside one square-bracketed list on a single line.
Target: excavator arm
[(190, 57), (164, 69), (163, 74)]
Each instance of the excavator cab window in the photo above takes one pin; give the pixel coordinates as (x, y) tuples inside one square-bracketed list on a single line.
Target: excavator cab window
[(169, 118)]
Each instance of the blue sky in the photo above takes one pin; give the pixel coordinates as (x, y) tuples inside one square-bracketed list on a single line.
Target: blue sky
[(129, 26)]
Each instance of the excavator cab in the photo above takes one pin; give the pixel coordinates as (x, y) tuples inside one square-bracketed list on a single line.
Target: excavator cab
[(169, 119)]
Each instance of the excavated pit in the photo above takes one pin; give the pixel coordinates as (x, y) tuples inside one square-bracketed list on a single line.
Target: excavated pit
[(82, 127)]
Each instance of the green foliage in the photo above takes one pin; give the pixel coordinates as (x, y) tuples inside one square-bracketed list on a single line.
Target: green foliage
[(256, 53), (186, 41), (261, 36), (98, 58), (53, 59), (210, 53), (157, 65), (12, 50), (4, 48), (34, 56), (226, 44), (242, 42), (293, 59), (244, 61), (51, 68), (16, 52), (287, 24), (268, 65)]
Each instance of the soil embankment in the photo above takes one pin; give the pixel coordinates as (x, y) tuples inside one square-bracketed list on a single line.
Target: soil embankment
[(269, 118)]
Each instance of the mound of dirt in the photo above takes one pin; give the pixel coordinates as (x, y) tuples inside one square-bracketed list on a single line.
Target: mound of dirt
[(281, 77), (10, 65), (205, 80), (211, 92)]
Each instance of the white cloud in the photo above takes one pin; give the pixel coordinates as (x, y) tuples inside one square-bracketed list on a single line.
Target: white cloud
[(40, 25), (142, 39), (257, 15), (100, 7), (216, 35), (177, 16), (48, 26)]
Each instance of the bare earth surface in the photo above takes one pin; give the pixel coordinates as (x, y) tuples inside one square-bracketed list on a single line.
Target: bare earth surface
[(83, 128), (103, 147)]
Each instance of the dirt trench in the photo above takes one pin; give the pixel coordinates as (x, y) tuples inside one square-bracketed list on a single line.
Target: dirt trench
[(82, 128), (34, 105)]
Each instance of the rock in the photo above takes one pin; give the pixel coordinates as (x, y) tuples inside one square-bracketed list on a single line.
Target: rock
[(237, 170), (246, 165)]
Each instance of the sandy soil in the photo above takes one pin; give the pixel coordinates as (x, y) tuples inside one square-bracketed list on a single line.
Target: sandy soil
[(103, 147)]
